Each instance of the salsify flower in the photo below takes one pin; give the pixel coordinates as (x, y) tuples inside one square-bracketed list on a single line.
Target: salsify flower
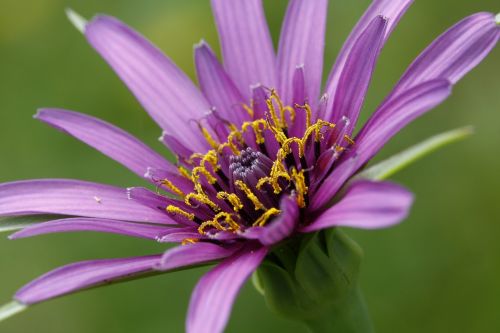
[(262, 156)]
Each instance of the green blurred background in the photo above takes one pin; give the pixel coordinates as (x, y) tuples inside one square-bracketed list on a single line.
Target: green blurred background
[(439, 271)]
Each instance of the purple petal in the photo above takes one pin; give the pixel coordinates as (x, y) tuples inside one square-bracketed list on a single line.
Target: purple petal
[(194, 254), (217, 87), (302, 42), (246, 44), (382, 125), (279, 228), (357, 71), (166, 93), (108, 139), (366, 205), (393, 116), (216, 291), (178, 236), (157, 176), (393, 10), (178, 148), (131, 229), (83, 275), (454, 53), (74, 197)]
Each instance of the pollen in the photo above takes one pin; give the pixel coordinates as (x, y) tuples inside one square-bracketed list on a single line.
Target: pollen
[(240, 181)]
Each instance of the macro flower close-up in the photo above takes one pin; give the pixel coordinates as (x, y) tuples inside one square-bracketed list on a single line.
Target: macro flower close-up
[(271, 162)]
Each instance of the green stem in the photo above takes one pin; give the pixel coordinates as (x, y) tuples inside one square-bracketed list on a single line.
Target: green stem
[(349, 315)]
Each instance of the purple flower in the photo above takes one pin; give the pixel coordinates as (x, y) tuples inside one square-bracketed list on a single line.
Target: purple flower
[(261, 154)]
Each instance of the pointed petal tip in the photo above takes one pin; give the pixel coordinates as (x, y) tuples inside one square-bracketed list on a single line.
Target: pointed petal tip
[(256, 86), (201, 44), (162, 136), (76, 19)]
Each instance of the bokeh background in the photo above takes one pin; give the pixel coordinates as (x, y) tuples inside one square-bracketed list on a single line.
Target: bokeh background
[(439, 271)]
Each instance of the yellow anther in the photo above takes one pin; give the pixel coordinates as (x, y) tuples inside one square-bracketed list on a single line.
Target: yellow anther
[(167, 183), (194, 157), (228, 219), (208, 137), (227, 145), (249, 109), (232, 198), (262, 220), (184, 172), (286, 145), (242, 186), (291, 112), (200, 170), (307, 108), (176, 210), (278, 133), (272, 112), (300, 185), (258, 126), (348, 139), (316, 128), (200, 198), (187, 241), (210, 223), (211, 158)]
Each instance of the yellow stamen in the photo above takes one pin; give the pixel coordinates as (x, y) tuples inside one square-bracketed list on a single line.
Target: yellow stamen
[(200, 170), (262, 220), (249, 109), (308, 110), (184, 172), (228, 219), (300, 185), (167, 183), (210, 223), (208, 137), (286, 145), (176, 210), (258, 126), (187, 241), (348, 139), (242, 186), (232, 198), (201, 198)]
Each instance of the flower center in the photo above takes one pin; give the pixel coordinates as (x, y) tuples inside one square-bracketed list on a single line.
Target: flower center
[(239, 182)]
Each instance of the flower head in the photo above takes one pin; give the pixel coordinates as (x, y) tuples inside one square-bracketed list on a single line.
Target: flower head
[(262, 155)]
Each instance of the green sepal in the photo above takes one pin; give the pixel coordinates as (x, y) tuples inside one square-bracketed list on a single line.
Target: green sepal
[(395, 163), (313, 275)]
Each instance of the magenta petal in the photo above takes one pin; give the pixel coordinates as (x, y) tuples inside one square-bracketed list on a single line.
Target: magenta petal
[(357, 72), (142, 230), (194, 254), (179, 236), (366, 205), (214, 295), (166, 93), (108, 139), (302, 43), (246, 43), (393, 10), (382, 126), (74, 197), (393, 116), (279, 228), (454, 53), (83, 275), (217, 87)]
